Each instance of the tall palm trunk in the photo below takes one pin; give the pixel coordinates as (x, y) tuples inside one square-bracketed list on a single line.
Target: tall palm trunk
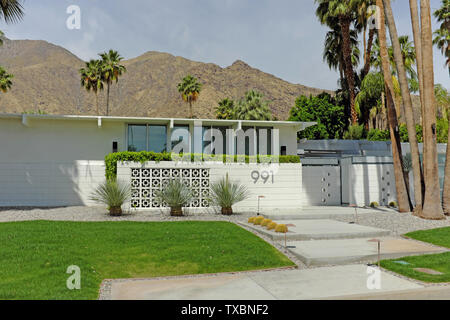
[(368, 52), (415, 21), (96, 102), (347, 50), (108, 85), (408, 107), (190, 110), (400, 184), (446, 199), (432, 207)]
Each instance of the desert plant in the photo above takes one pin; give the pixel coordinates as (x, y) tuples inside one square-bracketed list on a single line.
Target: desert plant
[(393, 204), (272, 226), (251, 219), (258, 220), (265, 222), (281, 228), (176, 195), (226, 193), (113, 194), (374, 204)]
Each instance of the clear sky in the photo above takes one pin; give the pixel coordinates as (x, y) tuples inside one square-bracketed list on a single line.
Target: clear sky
[(282, 37)]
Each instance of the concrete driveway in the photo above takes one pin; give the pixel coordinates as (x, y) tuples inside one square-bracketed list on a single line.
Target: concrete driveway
[(318, 283)]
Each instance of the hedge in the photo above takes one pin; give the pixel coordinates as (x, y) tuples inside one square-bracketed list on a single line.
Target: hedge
[(144, 156)]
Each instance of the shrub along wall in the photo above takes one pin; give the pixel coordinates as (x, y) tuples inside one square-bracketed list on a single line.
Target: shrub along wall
[(144, 156)]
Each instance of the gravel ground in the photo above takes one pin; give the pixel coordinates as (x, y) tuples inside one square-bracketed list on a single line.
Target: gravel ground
[(398, 223)]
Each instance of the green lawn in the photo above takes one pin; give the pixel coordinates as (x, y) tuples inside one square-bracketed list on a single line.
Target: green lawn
[(439, 262), (34, 255)]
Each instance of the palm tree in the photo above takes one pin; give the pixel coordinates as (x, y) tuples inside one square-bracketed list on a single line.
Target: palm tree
[(442, 97), (190, 90), (363, 16), (111, 71), (5, 80), (442, 35), (91, 78), (400, 184), (432, 208), (401, 57), (253, 107), (225, 109), (342, 11), (11, 10), (332, 53)]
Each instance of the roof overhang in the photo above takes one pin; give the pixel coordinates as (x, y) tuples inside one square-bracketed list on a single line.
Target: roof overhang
[(100, 120)]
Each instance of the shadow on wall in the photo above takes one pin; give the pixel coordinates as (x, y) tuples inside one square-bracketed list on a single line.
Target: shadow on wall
[(49, 184)]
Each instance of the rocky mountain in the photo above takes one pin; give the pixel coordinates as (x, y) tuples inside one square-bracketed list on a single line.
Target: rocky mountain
[(46, 78)]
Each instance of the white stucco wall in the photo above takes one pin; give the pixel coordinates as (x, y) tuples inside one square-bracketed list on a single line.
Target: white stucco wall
[(58, 162), (281, 195), (321, 185), (368, 182)]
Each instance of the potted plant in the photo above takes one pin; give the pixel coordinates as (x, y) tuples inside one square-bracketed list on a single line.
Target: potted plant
[(114, 194), (226, 193), (177, 195)]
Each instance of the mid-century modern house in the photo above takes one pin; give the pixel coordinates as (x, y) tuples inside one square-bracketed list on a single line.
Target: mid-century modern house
[(58, 160)]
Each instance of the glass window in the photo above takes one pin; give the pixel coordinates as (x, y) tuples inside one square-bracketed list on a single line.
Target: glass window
[(180, 134), (157, 138), (207, 144), (137, 138), (223, 131), (267, 150)]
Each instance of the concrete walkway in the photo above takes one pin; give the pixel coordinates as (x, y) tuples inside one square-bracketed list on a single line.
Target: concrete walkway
[(334, 252), (322, 229), (318, 283), (330, 212), (430, 293)]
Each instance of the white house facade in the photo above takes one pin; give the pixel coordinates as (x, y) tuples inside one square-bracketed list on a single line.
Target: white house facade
[(56, 160)]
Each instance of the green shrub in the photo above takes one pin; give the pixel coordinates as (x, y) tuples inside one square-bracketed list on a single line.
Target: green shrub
[(323, 109), (251, 219), (374, 204), (226, 193), (378, 135), (176, 194), (144, 156), (266, 222), (112, 193), (403, 131), (355, 132), (442, 131)]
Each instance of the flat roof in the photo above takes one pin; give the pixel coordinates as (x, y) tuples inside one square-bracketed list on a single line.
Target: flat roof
[(99, 119)]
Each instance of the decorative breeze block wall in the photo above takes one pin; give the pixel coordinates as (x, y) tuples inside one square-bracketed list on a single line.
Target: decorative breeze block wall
[(280, 186), (146, 181)]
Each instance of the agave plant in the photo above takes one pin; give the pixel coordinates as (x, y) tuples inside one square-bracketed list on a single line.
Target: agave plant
[(114, 194), (177, 195), (226, 193)]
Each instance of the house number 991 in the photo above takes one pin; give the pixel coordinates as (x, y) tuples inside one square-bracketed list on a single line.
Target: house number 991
[(265, 176)]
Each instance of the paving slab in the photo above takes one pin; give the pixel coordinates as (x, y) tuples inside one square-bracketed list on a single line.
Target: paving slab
[(441, 292), (317, 283), (321, 229), (318, 212), (345, 251)]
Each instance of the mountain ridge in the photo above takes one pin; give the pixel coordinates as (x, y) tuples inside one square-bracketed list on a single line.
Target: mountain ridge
[(46, 78)]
